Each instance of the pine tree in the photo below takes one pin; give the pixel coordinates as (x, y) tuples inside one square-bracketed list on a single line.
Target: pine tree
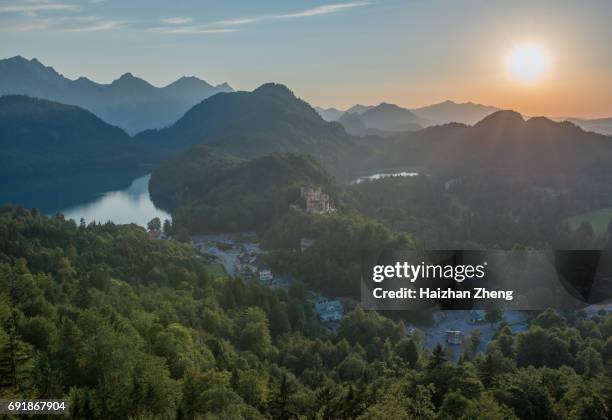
[(16, 363), (15, 355), (437, 358), (280, 405)]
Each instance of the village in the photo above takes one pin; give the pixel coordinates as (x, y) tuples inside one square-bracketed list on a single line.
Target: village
[(241, 255)]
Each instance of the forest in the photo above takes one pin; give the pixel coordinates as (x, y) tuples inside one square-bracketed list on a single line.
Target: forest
[(125, 326), (484, 212)]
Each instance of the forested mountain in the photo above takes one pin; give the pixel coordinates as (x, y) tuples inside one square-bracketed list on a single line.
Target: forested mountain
[(391, 118), (213, 191), (449, 111), (128, 102), (248, 124), (504, 143), (505, 182), (40, 138)]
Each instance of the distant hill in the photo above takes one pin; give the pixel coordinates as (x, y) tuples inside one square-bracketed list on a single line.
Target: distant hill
[(249, 124), (329, 114), (39, 138), (598, 125), (128, 102), (391, 118), (213, 191), (449, 111), (504, 143), (353, 124), (359, 109)]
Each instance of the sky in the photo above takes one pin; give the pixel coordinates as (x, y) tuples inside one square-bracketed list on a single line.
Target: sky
[(332, 52)]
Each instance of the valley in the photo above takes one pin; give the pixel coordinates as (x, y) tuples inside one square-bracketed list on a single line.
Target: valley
[(212, 263)]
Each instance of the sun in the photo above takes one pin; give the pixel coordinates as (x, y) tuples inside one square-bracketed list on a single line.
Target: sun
[(528, 62)]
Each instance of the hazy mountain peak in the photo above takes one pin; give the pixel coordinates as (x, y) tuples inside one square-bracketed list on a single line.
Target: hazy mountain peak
[(360, 109), (388, 117), (540, 120), (451, 111), (271, 87), (546, 124), (20, 60), (225, 87), (388, 106), (18, 67), (329, 114), (501, 120), (189, 82), (384, 106), (129, 77), (84, 81), (114, 102)]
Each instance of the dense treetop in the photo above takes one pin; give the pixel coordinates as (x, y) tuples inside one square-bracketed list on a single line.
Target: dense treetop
[(126, 326)]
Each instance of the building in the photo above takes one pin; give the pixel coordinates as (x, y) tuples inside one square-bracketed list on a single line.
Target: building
[(477, 316), (306, 243), (265, 276), (329, 310), (314, 200), (453, 337)]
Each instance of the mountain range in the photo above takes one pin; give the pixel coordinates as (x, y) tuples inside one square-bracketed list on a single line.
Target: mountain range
[(387, 119), (598, 125), (249, 124), (506, 144), (128, 102), (42, 138), (135, 105), (393, 118), (449, 111)]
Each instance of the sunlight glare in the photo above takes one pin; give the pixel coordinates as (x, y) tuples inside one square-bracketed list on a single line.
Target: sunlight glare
[(527, 62)]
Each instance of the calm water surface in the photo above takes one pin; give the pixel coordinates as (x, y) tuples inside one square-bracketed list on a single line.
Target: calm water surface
[(382, 175), (130, 205)]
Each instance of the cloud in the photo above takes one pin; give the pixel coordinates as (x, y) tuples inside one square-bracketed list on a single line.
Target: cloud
[(190, 30), (22, 27), (94, 26), (315, 11), (176, 20), (63, 24), (33, 8)]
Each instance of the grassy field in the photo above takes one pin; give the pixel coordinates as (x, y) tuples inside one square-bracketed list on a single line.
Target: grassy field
[(599, 220), (216, 270)]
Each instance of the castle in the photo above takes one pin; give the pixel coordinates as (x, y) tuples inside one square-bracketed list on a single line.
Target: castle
[(314, 200)]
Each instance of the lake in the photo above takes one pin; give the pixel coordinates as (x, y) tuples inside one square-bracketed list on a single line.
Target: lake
[(128, 205), (374, 177)]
